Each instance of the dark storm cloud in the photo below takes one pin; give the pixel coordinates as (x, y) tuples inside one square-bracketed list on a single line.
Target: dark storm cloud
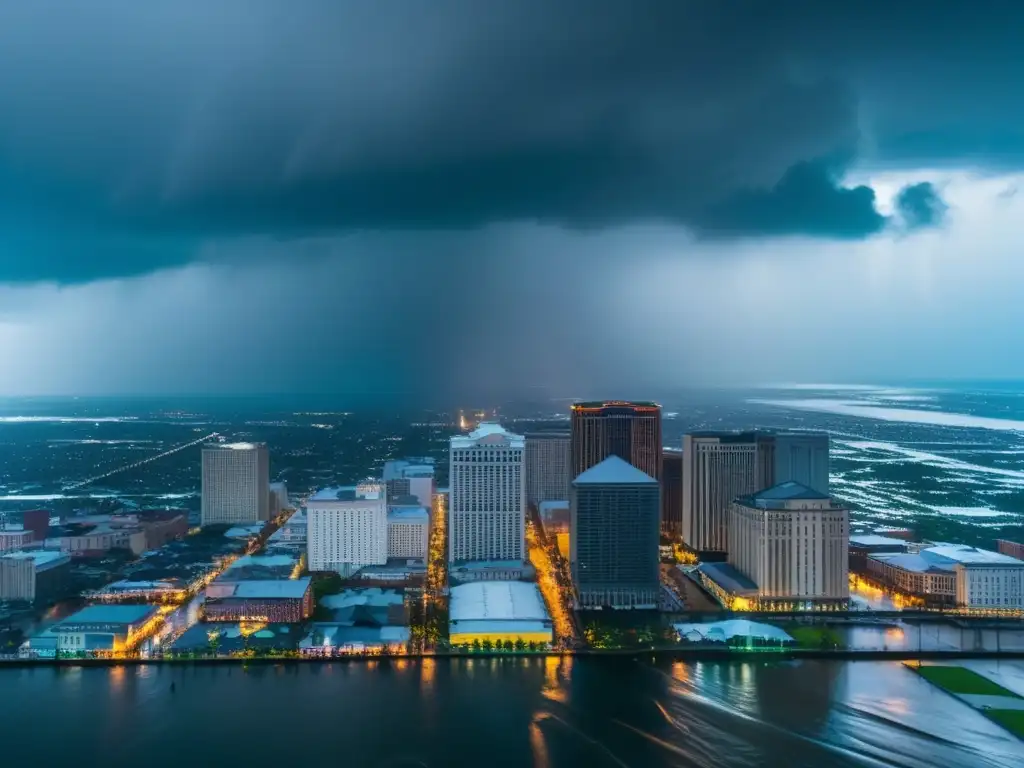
[(123, 121), (920, 205)]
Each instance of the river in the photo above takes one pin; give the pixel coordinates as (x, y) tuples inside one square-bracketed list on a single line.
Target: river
[(545, 712)]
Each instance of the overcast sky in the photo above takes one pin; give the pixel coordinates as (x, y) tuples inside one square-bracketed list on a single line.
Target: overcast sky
[(464, 197)]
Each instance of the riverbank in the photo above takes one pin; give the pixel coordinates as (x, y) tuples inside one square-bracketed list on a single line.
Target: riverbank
[(1000, 705), (676, 654)]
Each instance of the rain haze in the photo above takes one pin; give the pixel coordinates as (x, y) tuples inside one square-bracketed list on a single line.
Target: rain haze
[(466, 198)]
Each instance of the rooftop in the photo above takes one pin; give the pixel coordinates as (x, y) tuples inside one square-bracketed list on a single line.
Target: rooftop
[(265, 561), (961, 553), (497, 601), (408, 515), (548, 505), (779, 496), (398, 469), (41, 557), (110, 614), (234, 446), (279, 589), (614, 471), (729, 578), (602, 404), (723, 436), (488, 432), (874, 540), (361, 492)]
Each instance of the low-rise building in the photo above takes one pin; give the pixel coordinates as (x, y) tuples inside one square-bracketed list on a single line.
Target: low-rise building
[(11, 540), (94, 535), (863, 545), (35, 575), (286, 601), (945, 575), (498, 611), (95, 631), (408, 533), (410, 477), (127, 591)]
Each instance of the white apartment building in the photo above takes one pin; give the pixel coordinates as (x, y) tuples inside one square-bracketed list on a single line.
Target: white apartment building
[(548, 456), (985, 580), (347, 528), (717, 467), (236, 484), (408, 533), (487, 497), (793, 543), (410, 477)]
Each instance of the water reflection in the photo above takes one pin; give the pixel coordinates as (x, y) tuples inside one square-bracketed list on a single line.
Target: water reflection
[(549, 712)]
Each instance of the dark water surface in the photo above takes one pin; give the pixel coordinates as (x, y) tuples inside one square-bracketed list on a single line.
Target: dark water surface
[(497, 712)]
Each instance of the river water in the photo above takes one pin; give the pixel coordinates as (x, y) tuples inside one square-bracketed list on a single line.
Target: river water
[(498, 712)]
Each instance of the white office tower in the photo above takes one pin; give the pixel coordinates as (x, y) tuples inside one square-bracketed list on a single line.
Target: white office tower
[(347, 528), (236, 484), (548, 455), (410, 477), (793, 543), (487, 496), (717, 467)]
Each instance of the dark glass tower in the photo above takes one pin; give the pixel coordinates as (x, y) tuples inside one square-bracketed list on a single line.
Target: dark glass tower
[(672, 492), (631, 431), (613, 537)]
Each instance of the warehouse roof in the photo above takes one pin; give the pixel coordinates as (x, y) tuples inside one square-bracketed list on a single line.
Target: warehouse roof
[(497, 601)]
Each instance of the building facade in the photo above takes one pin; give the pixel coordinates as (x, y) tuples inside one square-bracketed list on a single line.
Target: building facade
[(548, 455), (236, 484), (1011, 548), (410, 477), (792, 542), (629, 430), (613, 539), (801, 457), (347, 528), (487, 496), (286, 601), (953, 575), (717, 468), (408, 533), (36, 575), (672, 492)]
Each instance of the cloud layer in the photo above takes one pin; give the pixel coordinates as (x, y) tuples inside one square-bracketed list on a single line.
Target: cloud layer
[(181, 120)]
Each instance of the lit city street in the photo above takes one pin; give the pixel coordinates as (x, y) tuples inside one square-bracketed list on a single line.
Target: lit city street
[(550, 580)]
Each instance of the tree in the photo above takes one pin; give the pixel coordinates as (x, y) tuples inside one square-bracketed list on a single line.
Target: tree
[(520, 645), (532, 645), (508, 645), (488, 645), (476, 644)]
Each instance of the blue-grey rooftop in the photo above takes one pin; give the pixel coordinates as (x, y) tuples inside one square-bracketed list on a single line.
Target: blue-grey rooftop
[(789, 491), (110, 614), (729, 578), (614, 471)]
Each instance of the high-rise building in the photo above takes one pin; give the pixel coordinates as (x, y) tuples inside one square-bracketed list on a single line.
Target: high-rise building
[(717, 467), (347, 528), (631, 431), (487, 497), (792, 542), (547, 467), (410, 477), (801, 457), (613, 538), (672, 492), (236, 484)]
